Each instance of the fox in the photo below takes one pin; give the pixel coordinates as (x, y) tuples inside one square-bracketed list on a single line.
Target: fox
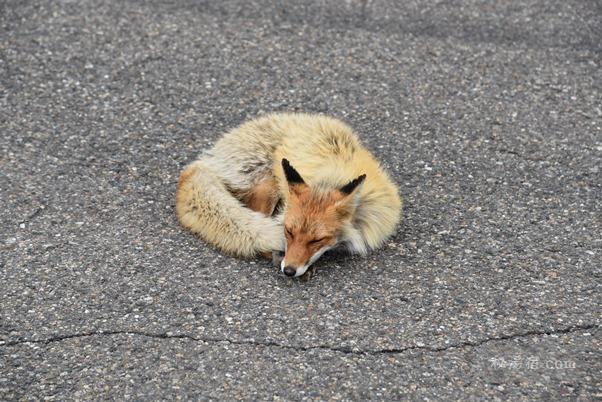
[(293, 185)]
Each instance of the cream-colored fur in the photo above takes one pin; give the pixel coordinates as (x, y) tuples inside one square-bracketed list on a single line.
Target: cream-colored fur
[(324, 150)]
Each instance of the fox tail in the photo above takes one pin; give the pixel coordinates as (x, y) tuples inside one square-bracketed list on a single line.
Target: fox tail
[(206, 207)]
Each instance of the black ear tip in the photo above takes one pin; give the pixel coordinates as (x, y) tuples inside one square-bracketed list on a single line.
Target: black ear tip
[(292, 176), (352, 185)]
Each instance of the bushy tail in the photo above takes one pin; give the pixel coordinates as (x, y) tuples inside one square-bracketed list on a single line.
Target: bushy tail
[(207, 208)]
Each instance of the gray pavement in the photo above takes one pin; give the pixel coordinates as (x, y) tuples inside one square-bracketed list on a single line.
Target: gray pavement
[(487, 114)]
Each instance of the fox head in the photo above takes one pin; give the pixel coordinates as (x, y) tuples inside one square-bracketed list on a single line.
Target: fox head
[(314, 220)]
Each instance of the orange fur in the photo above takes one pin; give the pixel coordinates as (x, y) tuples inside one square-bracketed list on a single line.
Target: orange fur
[(314, 220), (263, 197), (184, 177)]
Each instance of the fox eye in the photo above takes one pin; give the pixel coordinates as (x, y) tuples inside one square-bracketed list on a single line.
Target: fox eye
[(288, 232), (315, 241)]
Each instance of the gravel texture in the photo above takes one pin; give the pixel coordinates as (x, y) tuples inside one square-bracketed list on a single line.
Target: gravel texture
[(487, 114)]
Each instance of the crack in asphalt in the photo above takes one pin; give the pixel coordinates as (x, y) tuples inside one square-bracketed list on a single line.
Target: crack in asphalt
[(345, 350)]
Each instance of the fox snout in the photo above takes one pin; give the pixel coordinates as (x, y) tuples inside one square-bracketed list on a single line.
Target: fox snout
[(293, 270), (297, 258)]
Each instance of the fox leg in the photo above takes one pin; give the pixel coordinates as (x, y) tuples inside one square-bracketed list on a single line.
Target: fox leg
[(263, 197)]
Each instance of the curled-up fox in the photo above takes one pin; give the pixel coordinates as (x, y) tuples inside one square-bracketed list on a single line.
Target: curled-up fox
[(294, 183)]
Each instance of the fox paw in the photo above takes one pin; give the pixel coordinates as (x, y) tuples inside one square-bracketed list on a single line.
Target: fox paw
[(277, 257), (307, 275)]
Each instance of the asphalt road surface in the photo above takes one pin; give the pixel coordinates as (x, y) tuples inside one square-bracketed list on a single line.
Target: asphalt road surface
[(487, 114)]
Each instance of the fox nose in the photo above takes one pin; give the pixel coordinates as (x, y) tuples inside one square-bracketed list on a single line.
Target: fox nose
[(289, 271)]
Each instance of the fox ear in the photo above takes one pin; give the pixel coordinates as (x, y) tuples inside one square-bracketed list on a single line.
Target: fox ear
[(352, 185), (348, 203), (292, 176)]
